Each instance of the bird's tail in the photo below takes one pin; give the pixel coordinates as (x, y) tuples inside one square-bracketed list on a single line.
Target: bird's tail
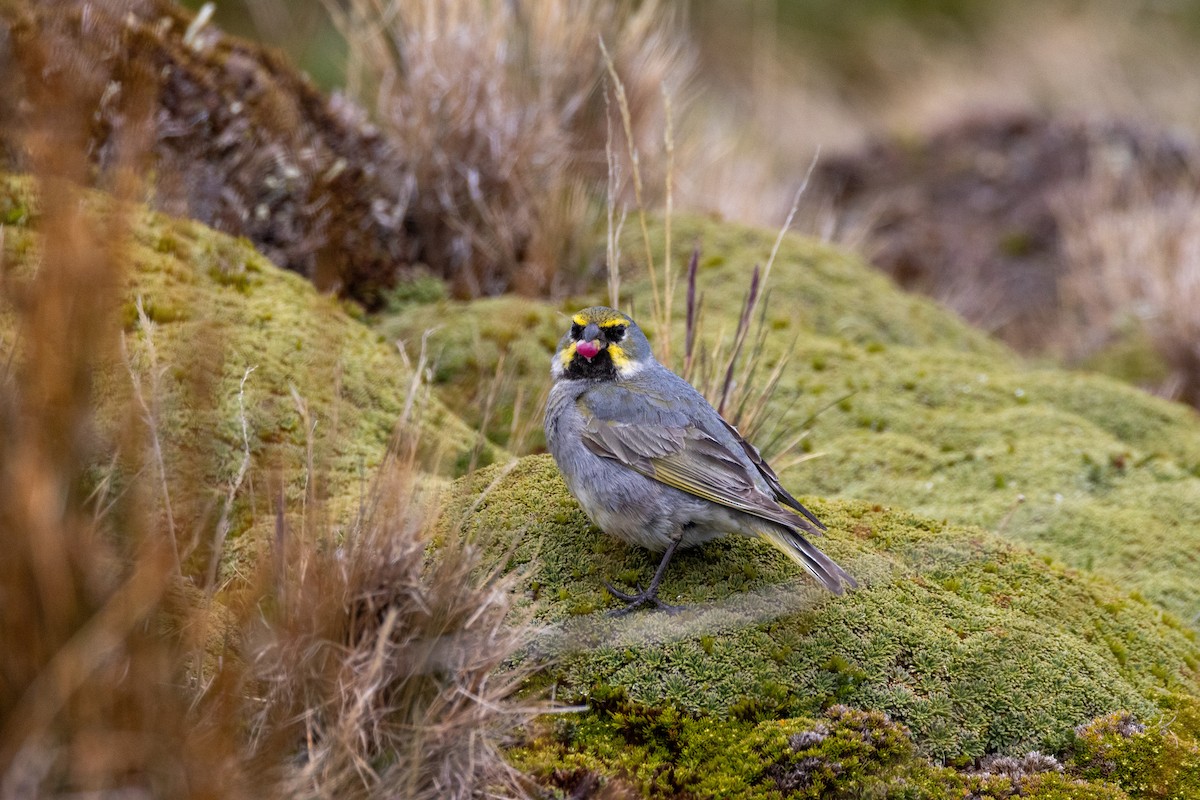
[(800, 550)]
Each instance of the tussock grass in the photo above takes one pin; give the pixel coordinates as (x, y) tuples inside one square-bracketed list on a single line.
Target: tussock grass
[(498, 110), (367, 663), (1132, 259), (379, 668)]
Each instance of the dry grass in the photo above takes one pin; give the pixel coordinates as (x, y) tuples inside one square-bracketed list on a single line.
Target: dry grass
[(729, 374), (90, 688), (1133, 260), (498, 109), (363, 665), (380, 669)]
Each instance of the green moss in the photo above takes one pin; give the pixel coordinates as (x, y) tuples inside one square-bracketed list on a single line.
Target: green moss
[(1146, 761), (973, 644), (416, 289), (1131, 357), (13, 210), (904, 405), (220, 310), (621, 748), (658, 752), (490, 360)]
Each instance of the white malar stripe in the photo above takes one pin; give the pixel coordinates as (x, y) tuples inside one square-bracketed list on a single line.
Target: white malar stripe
[(631, 369)]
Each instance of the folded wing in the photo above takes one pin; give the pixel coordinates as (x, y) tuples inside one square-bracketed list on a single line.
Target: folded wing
[(670, 449)]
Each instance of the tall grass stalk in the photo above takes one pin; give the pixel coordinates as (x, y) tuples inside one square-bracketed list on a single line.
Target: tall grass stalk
[(359, 663), (658, 297)]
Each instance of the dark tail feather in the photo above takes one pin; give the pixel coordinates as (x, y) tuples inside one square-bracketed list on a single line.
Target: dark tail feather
[(800, 550)]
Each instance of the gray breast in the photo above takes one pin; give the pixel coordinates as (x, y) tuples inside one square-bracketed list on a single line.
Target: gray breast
[(620, 501)]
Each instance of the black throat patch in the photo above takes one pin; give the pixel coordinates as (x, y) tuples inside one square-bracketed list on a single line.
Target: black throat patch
[(600, 368)]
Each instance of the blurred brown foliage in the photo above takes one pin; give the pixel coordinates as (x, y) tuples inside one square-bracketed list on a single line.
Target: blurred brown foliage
[(501, 111), (1053, 233), (240, 140), (360, 663)]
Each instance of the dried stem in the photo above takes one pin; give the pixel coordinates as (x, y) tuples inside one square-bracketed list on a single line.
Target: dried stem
[(418, 376), (668, 272), (791, 215), (662, 324), (150, 417), (223, 522), (614, 232), (310, 427), (739, 339), (690, 329)]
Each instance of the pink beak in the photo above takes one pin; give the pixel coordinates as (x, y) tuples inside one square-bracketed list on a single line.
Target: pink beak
[(587, 349)]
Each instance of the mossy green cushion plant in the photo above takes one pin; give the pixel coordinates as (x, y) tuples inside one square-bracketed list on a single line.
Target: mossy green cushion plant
[(1149, 760), (627, 750), (323, 396), (905, 405), (974, 645)]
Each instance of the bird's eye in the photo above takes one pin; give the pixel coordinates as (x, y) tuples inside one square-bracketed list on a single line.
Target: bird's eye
[(576, 331), (616, 333)]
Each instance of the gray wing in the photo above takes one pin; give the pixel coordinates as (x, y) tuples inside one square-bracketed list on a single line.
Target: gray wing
[(645, 433), (768, 474)]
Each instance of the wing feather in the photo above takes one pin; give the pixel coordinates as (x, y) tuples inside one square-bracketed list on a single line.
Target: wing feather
[(764, 469), (682, 456)]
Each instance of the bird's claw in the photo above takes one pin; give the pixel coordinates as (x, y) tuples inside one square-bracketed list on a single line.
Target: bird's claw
[(636, 601)]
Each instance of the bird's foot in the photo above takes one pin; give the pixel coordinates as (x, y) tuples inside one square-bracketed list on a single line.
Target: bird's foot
[(644, 597)]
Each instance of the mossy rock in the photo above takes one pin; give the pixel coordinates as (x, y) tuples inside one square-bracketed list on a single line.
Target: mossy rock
[(1152, 761), (219, 309), (903, 404), (489, 358), (976, 645), (622, 749)]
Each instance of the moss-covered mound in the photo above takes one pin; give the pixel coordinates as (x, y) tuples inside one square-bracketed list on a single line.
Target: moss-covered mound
[(905, 405), (322, 395), (627, 750), (977, 646), (490, 359)]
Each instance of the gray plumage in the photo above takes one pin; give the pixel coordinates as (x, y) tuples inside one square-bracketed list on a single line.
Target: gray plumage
[(652, 463)]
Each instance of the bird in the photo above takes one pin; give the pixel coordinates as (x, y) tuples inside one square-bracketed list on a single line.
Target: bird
[(653, 464)]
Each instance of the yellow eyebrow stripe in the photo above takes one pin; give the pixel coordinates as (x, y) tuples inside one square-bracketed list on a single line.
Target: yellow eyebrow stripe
[(603, 320)]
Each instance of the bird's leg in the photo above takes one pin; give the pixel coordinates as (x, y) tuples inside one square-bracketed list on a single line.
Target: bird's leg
[(650, 594)]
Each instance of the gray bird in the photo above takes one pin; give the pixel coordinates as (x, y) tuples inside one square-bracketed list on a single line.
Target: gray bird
[(653, 464)]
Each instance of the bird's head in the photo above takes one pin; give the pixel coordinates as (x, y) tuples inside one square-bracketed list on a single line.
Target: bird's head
[(602, 344)]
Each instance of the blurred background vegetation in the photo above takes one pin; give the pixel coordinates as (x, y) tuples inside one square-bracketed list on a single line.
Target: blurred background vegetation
[(1032, 166), (793, 75), (1028, 165)]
